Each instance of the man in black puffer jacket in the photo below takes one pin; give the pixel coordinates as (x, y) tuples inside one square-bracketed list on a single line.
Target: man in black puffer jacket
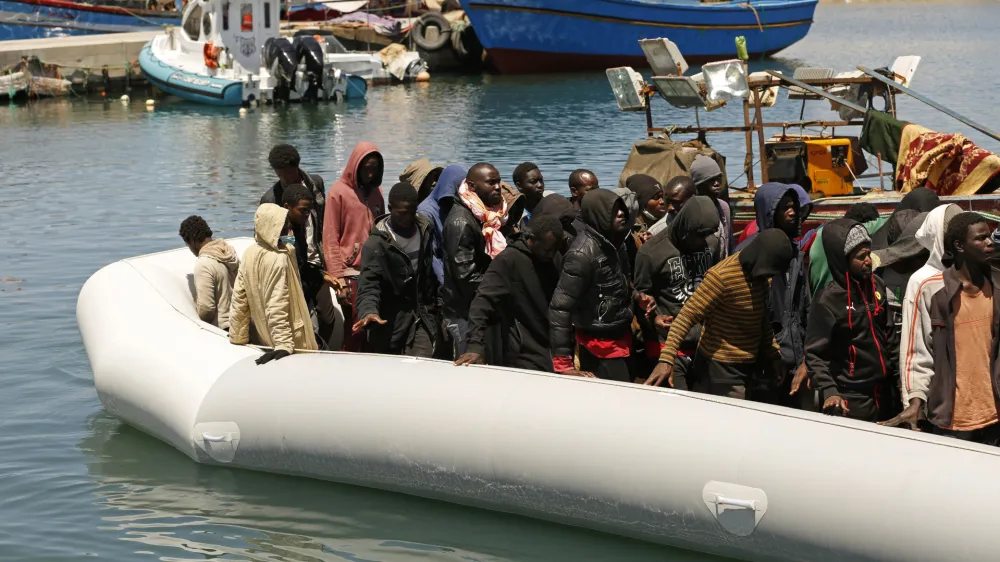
[(592, 304), (515, 293), (851, 350), (397, 289)]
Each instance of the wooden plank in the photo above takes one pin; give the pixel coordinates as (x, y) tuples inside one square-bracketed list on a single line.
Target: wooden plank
[(981, 128)]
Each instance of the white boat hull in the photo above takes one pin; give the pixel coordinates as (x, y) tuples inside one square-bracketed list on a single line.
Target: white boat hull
[(710, 474)]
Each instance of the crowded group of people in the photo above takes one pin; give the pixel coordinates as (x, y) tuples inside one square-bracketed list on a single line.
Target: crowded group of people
[(882, 319)]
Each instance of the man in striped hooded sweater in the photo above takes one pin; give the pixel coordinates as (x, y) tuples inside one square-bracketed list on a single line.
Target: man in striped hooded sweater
[(737, 341)]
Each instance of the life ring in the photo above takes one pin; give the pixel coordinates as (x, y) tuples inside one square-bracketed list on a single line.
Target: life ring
[(431, 19), (211, 53)]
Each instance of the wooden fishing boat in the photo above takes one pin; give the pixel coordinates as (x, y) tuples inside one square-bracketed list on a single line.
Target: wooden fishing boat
[(834, 182)]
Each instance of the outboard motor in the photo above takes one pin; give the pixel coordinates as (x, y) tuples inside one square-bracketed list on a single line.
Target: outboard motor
[(281, 60), (310, 53)]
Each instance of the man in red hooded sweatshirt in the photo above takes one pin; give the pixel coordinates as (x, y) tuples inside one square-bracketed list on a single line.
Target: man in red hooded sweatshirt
[(351, 207)]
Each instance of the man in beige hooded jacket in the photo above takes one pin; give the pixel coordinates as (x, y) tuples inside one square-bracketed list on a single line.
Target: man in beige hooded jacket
[(214, 271), (268, 291)]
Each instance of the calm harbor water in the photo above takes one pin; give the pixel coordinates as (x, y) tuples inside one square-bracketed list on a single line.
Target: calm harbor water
[(85, 184)]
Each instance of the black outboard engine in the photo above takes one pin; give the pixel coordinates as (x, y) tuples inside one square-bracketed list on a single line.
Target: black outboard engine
[(310, 53), (281, 60)]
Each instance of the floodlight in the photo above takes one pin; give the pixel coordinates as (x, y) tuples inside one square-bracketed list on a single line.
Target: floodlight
[(808, 73), (664, 57), (627, 85), (903, 69), (679, 91), (725, 80)]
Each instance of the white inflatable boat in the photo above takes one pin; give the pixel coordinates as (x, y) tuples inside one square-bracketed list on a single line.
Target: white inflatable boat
[(710, 474)]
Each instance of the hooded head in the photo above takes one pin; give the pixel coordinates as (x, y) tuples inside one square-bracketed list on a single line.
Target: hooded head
[(922, 200), (697, 220), (766, 206), (445, 190), (421, 175), (930, 235), (703, 171), (768, 254), (268, 225), (556, 205), (599, 210), (353, 169), (649, 195), (905, 248), (840, 239)]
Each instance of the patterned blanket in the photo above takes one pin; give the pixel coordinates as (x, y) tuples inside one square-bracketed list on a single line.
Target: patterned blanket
[(947, 163)]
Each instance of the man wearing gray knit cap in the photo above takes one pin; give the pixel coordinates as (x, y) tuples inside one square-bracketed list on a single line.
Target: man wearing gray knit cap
[(707, 177), (852, 350)]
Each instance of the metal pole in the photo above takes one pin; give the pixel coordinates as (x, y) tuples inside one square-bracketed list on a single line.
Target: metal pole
[(649, 115), (748, 162), (759, 125)]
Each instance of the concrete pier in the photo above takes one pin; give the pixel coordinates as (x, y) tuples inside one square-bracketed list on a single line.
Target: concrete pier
[(82, 59)]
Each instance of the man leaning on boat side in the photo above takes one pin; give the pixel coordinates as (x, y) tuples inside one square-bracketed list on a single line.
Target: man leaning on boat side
[(397, 289), (737, 341), (592, 304), (515, 293), (962, 398), (214, 271), (285, 161), (268, 307)]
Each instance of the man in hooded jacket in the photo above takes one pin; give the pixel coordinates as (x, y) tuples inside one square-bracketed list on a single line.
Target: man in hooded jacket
[(397, 289), (423, 176), (737, 341), (436, 208), (669, 268), (483, 214), (214, 271), (517, 288), (707, 177), (592, 304), (779, 205), (351, 207), (268, 306), (562, 208), (916, 358), (851, 353)]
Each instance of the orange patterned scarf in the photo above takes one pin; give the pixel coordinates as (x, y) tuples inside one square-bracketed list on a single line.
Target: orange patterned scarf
[(493, 218)]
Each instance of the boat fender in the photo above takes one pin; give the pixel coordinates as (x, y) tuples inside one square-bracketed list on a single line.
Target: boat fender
[(280, 58), (211, 55), (217, 441), (308, 50), (737, 508), (419, 31)]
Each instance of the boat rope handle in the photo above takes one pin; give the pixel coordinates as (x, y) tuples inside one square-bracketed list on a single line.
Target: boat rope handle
[(733, 502), (755, 15), (217, 438)]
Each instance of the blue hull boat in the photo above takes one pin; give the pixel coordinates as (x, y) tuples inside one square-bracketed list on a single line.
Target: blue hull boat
[(36, 19), (186, 85), (522, 36)]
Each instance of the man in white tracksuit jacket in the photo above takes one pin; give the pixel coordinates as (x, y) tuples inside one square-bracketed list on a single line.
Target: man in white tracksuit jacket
[(916, 361)]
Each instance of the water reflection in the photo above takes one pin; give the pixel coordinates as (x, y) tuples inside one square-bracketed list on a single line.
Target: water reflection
[(176, 509)]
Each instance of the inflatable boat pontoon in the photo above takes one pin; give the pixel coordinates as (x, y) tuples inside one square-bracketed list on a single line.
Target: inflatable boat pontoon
[(732, 478)]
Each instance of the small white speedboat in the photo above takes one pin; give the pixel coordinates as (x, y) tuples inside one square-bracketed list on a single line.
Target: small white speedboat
[(733, 478), (232, 53)]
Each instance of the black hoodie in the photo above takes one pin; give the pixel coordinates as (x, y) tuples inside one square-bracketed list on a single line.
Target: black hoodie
[(670, 276), (516, 289), (594, 294), (850, 346)]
